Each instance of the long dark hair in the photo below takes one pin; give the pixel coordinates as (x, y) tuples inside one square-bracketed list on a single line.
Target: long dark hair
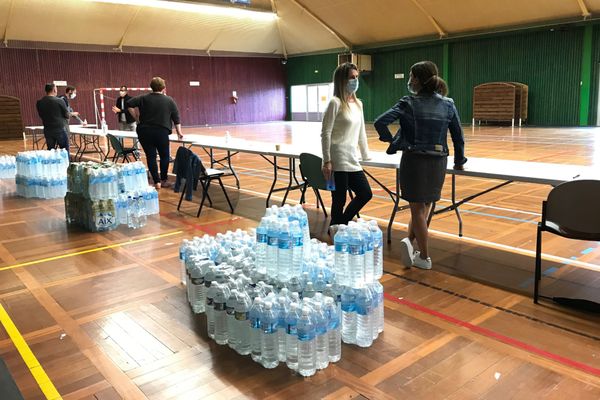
[(340, 82), (427, 74)]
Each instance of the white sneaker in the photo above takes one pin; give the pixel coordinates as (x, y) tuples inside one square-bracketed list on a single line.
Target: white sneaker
[(406, 252), (419, 262)]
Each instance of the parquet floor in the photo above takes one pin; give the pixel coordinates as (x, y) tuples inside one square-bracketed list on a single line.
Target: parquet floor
[(106, 318)]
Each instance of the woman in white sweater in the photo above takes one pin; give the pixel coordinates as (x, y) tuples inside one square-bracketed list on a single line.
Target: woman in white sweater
[(342, 133)]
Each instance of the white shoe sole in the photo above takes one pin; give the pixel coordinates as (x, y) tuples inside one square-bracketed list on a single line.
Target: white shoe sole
[(405, 254)]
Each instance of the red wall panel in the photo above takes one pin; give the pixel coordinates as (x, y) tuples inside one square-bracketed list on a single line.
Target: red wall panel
[(259, 82)]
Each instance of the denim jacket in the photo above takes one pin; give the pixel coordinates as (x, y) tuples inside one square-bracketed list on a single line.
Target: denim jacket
[(424, 123)]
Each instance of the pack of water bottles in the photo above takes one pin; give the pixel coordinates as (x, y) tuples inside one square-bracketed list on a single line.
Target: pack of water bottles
[(8, 167), (104, 195), (42, 173), (132, 177), (358, 253), (282, 242), (93, 215)]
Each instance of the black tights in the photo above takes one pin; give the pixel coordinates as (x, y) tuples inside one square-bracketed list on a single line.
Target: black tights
[(355, 181)]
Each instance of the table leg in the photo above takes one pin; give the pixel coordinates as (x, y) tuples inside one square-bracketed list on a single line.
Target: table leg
[(275, 169)]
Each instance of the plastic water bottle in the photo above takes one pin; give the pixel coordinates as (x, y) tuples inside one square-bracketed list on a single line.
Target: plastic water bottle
[(356, 258), (334, 333), (197, 290), (322, 340), (132, 217), (141, 211), (309, 290), (269, 340), (284, 256), (182, 255), (210, 310), (220, 315), (297, 249), (378, 290), (349, 316), (367, 239), (303, 219), (272, 248), (255, 316), (306, 344), (243, 326), (364, 330), (261, 245), (233, 334), (291, 337), (340, 241), (377, 249), (281, 311), (320, 283)]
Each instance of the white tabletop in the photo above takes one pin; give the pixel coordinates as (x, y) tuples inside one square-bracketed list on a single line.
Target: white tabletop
[(515, 170), (523, 171)]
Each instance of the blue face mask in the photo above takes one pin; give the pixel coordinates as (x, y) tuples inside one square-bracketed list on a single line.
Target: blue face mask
[(352, 86)]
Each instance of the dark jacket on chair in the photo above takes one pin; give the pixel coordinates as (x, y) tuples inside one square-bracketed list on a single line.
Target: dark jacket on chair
[(188, 167)]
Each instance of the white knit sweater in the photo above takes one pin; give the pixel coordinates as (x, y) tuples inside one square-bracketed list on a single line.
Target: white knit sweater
[(342, 132)]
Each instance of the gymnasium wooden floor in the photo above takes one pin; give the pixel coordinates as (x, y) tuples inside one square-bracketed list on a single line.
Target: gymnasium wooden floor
[(105, 317)]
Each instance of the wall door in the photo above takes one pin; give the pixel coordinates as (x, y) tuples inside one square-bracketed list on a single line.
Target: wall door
[(310, 101)]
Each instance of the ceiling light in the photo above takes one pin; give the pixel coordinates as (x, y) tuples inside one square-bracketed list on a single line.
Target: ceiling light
[(197, 8)]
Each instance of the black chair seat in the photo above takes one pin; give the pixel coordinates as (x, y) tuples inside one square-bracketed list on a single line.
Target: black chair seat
[(570, 211)]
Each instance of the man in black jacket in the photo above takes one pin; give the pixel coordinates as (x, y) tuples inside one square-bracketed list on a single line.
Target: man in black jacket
[(126, 121), (55, 116)]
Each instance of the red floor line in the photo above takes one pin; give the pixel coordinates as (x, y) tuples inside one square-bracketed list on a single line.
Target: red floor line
[(497, 336)]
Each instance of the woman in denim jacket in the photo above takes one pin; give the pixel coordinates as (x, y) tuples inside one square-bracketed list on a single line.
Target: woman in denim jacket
[(425, 117)]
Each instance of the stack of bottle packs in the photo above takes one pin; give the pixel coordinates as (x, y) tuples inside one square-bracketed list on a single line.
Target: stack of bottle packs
[(101, 196), (42, 173), (281, 297)]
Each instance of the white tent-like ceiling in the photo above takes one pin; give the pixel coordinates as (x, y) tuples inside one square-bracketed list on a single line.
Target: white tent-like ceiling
[(268, 27)]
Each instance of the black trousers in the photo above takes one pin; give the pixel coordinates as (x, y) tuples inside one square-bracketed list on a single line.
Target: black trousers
[(56, 136), (355, 181), (155, 139)]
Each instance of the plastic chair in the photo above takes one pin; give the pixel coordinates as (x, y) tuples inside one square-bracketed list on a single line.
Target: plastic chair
[(121, 151), (312, 175), (570, 211), (205, 177)]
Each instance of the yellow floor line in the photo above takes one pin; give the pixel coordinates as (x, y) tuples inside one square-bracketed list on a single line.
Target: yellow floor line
[(32, 363), (110, 246)]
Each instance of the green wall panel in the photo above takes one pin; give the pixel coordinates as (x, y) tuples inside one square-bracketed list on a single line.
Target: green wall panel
[(595, 72), (311, 69), (379, 89), (549, 62)]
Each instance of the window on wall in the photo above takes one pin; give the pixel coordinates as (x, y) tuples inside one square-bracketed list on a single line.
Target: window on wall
[(308, 102)]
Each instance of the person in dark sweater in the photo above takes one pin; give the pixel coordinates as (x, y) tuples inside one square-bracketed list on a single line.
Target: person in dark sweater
[(156, 113), (70, 94), (55, 116), (126, 121)]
